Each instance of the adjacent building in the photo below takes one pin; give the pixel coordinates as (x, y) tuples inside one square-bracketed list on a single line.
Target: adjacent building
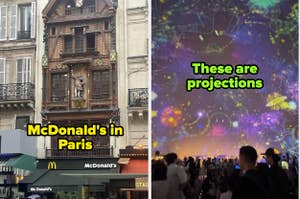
[(17, 63), (18, 68), (132, 47), (133, 61)]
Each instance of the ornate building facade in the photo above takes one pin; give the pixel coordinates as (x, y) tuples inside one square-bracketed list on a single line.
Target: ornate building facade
[(80, 70), (95, 70)]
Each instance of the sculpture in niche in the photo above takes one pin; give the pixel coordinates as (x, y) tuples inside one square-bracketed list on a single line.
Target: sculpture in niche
[(79, 3), (79, 86)]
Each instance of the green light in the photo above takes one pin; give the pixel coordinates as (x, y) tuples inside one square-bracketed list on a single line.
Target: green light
[(265, 4)]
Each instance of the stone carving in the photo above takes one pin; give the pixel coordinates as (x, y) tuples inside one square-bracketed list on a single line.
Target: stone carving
[(79, 87), (79, 3)]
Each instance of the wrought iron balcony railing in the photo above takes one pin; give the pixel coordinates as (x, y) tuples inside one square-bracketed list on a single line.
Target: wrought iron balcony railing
[(24, 34), (138, 97), (98, 152), (16, 92)]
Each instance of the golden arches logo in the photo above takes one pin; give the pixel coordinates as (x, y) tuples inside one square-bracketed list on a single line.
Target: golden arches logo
[(52, 165)]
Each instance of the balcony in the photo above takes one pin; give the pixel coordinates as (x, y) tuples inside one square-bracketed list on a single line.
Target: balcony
[(16, 92), (99, 152), (138, 97), (80, 11), (24, 34)]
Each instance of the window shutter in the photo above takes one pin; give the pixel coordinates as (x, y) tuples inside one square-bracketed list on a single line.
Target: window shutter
[(13, 23), (3, 20), (27, 69), (19, 70), (2, 71), (33, 19), (23, 70)]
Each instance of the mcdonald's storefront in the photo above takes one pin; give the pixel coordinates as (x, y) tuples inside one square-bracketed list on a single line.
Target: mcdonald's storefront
[(79, 179)]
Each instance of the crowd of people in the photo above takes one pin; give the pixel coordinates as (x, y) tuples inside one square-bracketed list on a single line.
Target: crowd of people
[(276, 177)]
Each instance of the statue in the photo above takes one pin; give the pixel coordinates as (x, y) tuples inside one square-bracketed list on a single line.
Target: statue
[(78, 87), (79, 3)]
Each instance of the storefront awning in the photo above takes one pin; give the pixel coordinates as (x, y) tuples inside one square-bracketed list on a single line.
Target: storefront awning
[(70, 180), (25, 162), (54, 178), (34, 176)]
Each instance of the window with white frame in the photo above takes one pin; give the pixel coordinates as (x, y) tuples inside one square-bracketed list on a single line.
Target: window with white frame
[(26, 21), (13, 23), (2, 77), (21, 23), (3, 20), (23, 70), (2, 71)]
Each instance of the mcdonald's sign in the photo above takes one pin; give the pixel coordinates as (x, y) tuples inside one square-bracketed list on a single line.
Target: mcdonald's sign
[(111, 164), (52, 165)]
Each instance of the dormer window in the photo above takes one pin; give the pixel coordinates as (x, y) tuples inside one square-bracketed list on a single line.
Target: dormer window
[(88, 3), (69, 5), (74, 7), (89, 6)]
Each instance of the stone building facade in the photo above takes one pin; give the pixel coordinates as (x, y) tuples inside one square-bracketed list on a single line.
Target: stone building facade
[(19, 101), (133, 61), (17, 63)]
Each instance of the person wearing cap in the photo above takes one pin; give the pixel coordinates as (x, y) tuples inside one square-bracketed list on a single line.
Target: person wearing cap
[(272, 157), (277, 177)]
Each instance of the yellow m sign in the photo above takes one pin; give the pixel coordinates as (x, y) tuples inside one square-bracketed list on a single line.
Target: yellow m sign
[(51, 165)]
